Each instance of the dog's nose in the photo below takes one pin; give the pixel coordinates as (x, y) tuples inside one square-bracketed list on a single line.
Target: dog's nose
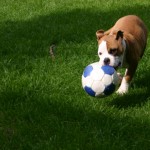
[(106, 61)]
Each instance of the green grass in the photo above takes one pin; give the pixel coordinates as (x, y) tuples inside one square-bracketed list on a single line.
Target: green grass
[(42, 103)]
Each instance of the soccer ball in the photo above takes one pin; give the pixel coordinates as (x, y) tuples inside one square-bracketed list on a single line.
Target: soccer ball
[(99, 81)]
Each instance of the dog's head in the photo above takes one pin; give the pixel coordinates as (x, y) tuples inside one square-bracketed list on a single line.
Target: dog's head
[(111, 48)]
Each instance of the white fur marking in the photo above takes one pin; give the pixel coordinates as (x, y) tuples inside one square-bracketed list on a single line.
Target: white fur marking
[(115, 61), (103, 53), (102, 48)]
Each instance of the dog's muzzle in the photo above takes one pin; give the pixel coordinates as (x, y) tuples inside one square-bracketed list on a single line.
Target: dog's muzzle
[(106, 61)]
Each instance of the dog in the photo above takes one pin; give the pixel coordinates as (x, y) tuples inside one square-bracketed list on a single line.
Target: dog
[(123, 45)]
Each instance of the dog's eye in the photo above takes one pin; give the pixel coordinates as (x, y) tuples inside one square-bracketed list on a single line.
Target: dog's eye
[(100, 53), (113, 51)]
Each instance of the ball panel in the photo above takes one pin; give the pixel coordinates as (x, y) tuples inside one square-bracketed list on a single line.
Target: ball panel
[(87, 71), (87, 81), (95, 65), (109, 89), (83, 81), (97, 74), (107, 79), (100, 95), (108, 69), (98, 87), (89, 91)]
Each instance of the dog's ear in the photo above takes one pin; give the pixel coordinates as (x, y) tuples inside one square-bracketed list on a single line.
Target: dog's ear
[(119, 35), (99, 34)]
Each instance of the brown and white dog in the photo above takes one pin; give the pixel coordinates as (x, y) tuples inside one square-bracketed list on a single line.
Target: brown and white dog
[(123, 45)]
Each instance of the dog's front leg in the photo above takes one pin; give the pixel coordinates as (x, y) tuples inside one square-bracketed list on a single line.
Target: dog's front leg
[(125, 83)]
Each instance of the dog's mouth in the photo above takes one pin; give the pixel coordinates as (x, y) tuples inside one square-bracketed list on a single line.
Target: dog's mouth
[(114, 61), (116, 67)]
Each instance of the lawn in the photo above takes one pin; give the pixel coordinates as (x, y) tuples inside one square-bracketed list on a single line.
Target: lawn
[(42, 103)]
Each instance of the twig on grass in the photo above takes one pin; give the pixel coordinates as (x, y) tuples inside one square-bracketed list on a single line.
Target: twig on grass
[(52, 52)]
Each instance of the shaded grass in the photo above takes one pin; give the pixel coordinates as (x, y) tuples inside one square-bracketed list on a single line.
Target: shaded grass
[(42, 104)]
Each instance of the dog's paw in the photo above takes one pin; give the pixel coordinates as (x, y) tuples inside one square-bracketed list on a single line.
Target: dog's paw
[(122, 91), (123, 87)]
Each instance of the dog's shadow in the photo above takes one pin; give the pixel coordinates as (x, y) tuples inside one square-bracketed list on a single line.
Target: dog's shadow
[(139, 92)]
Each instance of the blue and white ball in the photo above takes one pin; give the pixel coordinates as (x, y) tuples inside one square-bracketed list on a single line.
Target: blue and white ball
[(99, 81)]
